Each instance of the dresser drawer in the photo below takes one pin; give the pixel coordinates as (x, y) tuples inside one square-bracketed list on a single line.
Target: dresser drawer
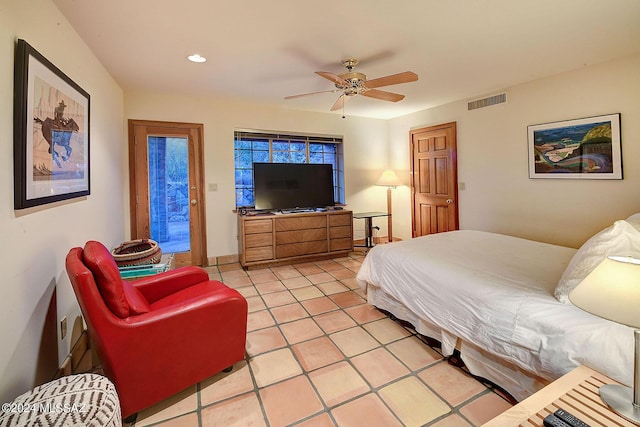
[(340, 219), (297, 249), (258, 226), (258, 239), (301, 222), (339, 232), (258, 254), (297, 236), (341, 244)]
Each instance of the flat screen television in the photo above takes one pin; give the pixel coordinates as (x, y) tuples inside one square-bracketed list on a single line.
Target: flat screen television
[(292, 185)]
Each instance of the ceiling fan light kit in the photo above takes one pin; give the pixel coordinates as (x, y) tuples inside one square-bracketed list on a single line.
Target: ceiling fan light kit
[(353, 83)]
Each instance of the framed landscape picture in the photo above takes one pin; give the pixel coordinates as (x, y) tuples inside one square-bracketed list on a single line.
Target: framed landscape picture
[(51, 132), (587, 148)]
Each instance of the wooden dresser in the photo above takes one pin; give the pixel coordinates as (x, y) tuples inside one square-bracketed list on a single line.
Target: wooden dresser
[(296, 237)]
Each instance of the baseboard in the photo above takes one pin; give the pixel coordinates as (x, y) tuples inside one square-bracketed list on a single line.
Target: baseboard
[(65, 369), (223, 259), (79, 349), (73, 362)]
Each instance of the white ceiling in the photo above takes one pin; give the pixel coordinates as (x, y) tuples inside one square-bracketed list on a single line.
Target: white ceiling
[(260, 51)]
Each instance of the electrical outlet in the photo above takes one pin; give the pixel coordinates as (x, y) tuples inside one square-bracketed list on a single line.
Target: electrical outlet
[(63, 327)]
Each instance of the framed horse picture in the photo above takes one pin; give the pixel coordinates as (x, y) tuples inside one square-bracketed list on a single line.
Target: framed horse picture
[(51, 132)]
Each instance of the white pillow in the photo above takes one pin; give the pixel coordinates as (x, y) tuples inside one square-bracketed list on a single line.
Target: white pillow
[(621, 238)]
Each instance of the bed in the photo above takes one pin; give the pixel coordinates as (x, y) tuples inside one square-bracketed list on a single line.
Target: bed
[(502, 302)]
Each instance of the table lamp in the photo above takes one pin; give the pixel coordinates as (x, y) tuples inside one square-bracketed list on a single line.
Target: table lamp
[(612, 291), (390, 180)]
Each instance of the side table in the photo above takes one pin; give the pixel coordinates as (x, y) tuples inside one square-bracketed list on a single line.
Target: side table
[(368, 225), (575, 392)]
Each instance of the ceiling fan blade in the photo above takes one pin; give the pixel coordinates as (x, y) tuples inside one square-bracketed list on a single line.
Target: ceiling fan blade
[(385, 96), (393, 79), (311, 93), (340, 102), (332, 77)]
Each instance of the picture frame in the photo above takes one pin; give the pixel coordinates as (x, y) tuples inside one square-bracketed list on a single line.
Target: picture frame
[(587, 148), (51, 132)]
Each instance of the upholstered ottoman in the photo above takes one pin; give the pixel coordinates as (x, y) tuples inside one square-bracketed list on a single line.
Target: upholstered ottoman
[(75, 400)]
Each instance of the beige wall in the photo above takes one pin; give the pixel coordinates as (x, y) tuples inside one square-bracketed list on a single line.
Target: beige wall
[(35, 241), (492, 157), (365, 151)]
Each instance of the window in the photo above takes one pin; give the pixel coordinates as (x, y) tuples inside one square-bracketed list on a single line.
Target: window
[(252, 147)]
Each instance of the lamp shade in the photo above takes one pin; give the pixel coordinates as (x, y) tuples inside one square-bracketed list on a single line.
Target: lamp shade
[(389, 179), (611, 291)]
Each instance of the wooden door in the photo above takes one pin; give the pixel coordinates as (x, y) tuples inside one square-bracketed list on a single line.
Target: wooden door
[(434, 184), (167, 188)]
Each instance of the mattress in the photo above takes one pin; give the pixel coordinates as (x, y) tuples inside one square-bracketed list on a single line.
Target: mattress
[(495, 292)]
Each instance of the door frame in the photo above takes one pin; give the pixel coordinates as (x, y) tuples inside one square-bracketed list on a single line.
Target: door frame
[(452, 126), (194, 133)]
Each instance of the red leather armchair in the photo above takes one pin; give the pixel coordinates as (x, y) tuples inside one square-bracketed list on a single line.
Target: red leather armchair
[(157, 335)]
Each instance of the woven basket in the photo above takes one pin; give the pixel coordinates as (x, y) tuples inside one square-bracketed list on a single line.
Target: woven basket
[(137, 252)]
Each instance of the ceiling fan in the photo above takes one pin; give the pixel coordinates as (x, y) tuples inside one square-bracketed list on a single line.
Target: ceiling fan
[(353, 83)]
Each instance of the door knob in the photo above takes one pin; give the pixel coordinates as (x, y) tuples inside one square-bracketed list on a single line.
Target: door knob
[(449, 201), (194, 202)]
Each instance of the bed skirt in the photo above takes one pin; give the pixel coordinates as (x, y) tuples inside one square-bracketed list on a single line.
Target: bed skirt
[(517, 382)]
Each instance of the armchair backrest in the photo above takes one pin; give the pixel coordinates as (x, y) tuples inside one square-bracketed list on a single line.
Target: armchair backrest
[(119, 296), (107, 277), (91, 303)]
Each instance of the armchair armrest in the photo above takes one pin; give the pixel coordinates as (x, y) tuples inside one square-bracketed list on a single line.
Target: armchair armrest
[(221, 314), (161, 285)]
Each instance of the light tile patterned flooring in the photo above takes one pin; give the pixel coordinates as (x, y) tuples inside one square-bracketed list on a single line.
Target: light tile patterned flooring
[(319, 355)]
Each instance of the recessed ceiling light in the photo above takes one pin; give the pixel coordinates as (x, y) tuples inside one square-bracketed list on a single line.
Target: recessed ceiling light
[(196, 58)]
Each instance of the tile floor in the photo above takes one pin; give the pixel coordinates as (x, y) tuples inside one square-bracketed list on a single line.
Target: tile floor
[(319, 355)]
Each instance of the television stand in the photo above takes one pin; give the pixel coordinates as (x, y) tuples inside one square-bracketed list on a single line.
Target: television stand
[(295, 237)]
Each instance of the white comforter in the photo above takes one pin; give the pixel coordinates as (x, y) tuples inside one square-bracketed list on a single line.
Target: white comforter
[(496, 292)]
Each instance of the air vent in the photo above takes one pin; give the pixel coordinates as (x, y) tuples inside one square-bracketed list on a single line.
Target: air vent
[(486, 102)]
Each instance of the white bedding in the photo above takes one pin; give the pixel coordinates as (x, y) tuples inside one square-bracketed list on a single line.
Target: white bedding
[(496, 292)]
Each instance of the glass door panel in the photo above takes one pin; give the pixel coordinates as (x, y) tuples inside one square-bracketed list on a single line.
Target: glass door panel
[(169, 193)]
